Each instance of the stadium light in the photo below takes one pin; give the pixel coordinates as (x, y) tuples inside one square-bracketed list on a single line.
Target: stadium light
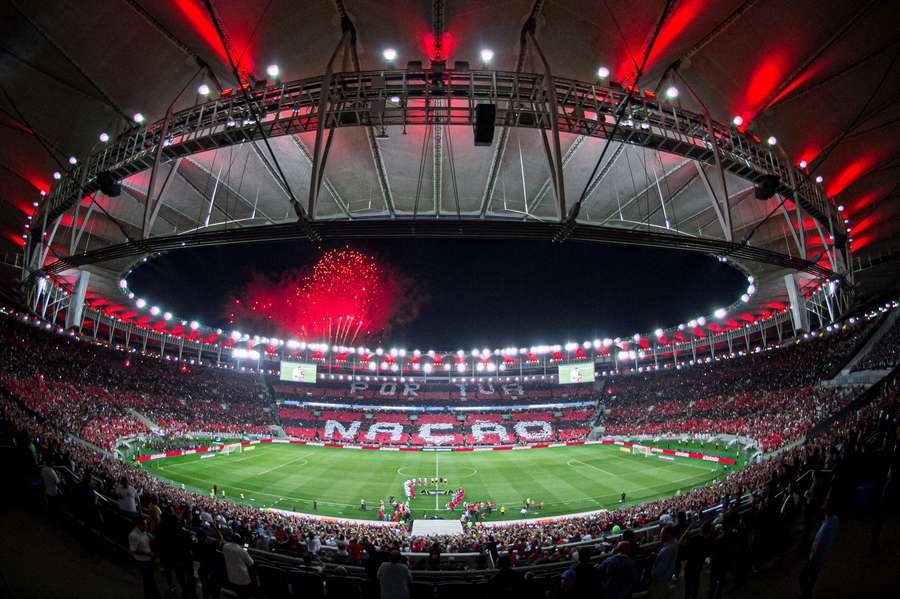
[(658, 333), (720, 313), (745, 298), (819, 179), (701, 321), (104, 137), (138, 118), (737, 121), (57, 175), (840, 208), (195, 325), (203, 90), (487, 55), (603, 72), (141, 302), (803, 164), (123, 284), (460, 367), (772, 140), (273, 71), (636, 337), (671, 92), (167, 316), (389, 54), (154, 310)]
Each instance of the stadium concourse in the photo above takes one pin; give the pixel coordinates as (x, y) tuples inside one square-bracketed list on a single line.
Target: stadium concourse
[(68, 402)]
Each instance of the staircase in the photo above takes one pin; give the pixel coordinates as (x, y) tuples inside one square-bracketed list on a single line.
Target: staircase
[(150, 424)]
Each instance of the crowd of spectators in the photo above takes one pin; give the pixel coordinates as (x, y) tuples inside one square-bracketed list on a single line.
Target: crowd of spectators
[(771, 396), (885, 353), (822, 473), (53, 386), (90, 390)]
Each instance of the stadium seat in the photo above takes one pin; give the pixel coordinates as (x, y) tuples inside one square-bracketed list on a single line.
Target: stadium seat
[(421, 590), (273, 581), (344, 587), (458, 589), (306, 585)]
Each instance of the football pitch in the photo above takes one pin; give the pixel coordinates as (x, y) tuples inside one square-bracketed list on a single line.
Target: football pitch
[(567, 479)]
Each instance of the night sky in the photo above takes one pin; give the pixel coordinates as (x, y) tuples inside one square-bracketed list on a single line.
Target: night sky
[(478, 293)]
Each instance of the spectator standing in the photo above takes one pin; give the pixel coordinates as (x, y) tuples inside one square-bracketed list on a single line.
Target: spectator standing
[(696, 549), (394, 577), (821, 547), (175, 554), (506, 582), (127, 497), (618, 573), (139, 547), (237, 566), (664, 565), (51, 484)]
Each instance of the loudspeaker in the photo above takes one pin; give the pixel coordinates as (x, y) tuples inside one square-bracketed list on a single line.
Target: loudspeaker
[(109, 185), (485, 116), (766, 187)]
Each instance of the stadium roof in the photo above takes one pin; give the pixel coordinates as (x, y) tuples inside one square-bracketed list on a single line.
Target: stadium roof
[(821, 77)]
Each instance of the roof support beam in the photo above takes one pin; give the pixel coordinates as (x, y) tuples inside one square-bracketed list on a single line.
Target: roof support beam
[(232, 191), (153, 198), (545, 187), (554, 154), (787, 217), (349, 34), (503, 139), (326, 182), (645, 189), (723, 214)]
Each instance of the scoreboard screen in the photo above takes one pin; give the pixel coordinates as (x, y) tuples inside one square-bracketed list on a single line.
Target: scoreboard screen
[(576, 373), (298, 372)]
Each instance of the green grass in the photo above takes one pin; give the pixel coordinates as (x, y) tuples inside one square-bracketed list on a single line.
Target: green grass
[(567, 479)]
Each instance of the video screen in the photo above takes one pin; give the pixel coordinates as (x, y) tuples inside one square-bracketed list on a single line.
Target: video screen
[(576, 373), (298, 372)]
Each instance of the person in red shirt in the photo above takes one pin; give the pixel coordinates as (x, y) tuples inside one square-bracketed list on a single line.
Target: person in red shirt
[(354, 550)]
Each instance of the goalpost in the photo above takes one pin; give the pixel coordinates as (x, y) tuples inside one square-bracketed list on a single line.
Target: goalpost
[(641, 450), (233, 447)]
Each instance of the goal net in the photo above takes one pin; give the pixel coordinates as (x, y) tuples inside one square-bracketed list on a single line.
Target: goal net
[(231, 448), (641, 450)]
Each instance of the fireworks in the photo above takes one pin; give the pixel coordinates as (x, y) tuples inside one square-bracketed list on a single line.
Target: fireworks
[(346, 297)]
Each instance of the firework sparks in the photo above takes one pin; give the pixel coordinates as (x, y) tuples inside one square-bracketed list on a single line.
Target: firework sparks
[(345, 298)]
